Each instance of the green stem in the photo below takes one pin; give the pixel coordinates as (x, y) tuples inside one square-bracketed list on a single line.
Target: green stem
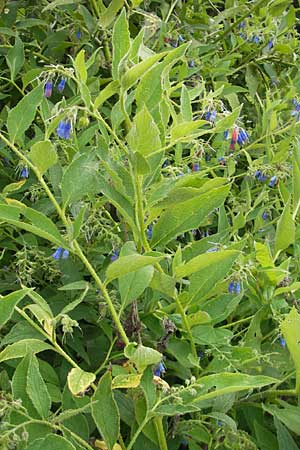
[(297, 382), (160, 433), (138, 431), (187, 329)]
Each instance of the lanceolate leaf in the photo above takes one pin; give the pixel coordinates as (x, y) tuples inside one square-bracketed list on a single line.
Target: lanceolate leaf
[(186, 215), (21, 116), (36, 388), (105, 411), (8, 303)]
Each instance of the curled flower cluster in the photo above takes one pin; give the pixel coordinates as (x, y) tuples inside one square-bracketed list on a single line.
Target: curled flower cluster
[(260, 176), (159, 370), (48, 89), (64, 129)]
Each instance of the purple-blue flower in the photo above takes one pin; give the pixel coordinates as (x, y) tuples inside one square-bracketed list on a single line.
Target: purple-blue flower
[(196, 167), (115, 255), (61, 85), (273, 181), (255, 39), (265, 215), (78, 34), (24, 172), (270, 44), (65, 254), (150, 231), (282, 342), (231, 287), (242, 137), (226, 134), (159, 370), (237, 288), (48, 89), (64, 129), (191, 63), (180, 38), (58, 253)]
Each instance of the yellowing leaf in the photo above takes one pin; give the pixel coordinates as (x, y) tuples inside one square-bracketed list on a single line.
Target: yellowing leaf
[(79, 380)]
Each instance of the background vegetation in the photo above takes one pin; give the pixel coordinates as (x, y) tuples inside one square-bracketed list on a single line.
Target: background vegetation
[(149, 225)]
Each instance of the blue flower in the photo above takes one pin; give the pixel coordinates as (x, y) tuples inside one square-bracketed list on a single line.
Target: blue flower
[(191, 64), (61, 85), (231, 287), (255, 39), (115, 255), (265, 215), (241, 25), (282, 342), (260, 176), (242, 137), (237, 288), (24, 172), (196, 167), (159, 370), (226, 134), (174, 43), (273, 181), (180, 38), (150, 231), (64, 129), (166, 163), (78, 34), (210, 115), (65, 254), (48, 89), (270, 44), (58, 253)]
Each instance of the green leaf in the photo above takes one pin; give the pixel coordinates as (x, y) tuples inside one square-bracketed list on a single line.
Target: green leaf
[(120, 42), (126, 381), (132, 285), (40, 224), (142, 356), (110, 13), (285, 440), (15, 58), (131, 263), (21, 116), (76, 285), (290, 328), (79, 380), (134, 73), (18, 385), (36, 388), (186, 129), (144, 134), (285, 231), (43, 155), (289, 415), (228, 121), (21, 348), (206, 260), (80, 178), (187, 215), (105, 411), (80, 67), (163, 283), (8, 303), (51, 442), (111, 89), (185, 105)]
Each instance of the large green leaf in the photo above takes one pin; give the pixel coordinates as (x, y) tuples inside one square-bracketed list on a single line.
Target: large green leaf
[(285, 231), (206, 260), (285, 440), (39, 224), (290, 328), (21, 348), (130, 263), (144, 134), (8, 303), (288, 414), (36, 388), (187, 215), (21, 116), (80, 178), (105, 411), (132, 285), (15, 57), (79, 380), (51, 442), (142, 356), (43, 155), (120, 42)]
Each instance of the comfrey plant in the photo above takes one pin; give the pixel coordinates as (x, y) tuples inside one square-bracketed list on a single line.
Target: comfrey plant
[(149, 217)]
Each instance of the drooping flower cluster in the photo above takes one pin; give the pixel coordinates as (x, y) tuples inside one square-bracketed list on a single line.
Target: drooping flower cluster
[(48, 89), (239, 135), (60, 253), (262, 177), (24, 172), (64, 129), (115, 255), (210, 115), (159, 370), (234, 287)]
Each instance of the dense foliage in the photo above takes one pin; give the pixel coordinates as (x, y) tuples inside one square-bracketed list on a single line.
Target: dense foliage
[(149, 225)]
